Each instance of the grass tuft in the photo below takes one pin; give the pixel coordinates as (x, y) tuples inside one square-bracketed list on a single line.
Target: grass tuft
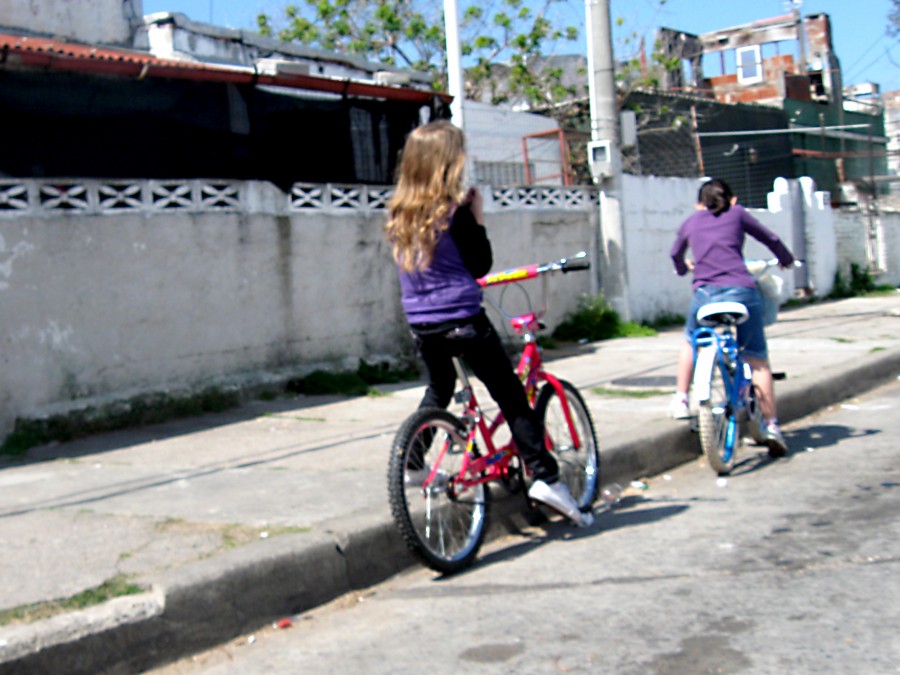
[(595, 320), (629, 393), (859, 284), (154, 408), (140, 411), (115, 587), (359, 383)]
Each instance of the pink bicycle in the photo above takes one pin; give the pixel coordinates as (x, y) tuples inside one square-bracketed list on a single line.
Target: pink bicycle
[(441, 464)]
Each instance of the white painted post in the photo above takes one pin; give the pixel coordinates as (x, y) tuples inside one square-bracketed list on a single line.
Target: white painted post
[(455, 82)]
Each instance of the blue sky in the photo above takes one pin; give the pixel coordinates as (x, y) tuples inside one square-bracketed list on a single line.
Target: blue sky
[(858, 26)]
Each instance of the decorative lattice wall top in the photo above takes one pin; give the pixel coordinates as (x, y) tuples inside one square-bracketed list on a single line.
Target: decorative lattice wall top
[(117, 196), (89, 196)]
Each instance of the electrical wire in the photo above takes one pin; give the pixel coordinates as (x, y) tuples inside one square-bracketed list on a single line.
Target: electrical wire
[(849, 69)]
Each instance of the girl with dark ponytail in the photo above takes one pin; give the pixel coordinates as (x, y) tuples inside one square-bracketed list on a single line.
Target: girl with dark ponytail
[(715, 233)]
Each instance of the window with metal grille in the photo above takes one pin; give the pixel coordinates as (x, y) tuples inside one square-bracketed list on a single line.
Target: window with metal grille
[(498, 174), (749, 65)]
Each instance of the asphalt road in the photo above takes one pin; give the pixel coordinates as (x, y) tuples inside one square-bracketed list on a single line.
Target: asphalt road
[(784, 567)]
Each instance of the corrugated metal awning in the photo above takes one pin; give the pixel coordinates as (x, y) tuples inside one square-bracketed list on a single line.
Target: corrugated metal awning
[(57, 54)]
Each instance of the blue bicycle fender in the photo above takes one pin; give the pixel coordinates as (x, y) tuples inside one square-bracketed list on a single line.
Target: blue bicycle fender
[(703, 368)]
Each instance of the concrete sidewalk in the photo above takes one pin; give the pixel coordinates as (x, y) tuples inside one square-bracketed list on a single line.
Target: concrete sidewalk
[(235, 520)]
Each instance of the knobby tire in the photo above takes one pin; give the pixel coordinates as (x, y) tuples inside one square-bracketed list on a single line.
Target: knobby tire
[(442, 524), (719, 433)]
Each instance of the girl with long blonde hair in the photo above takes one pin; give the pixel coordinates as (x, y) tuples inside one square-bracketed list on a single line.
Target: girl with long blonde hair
[(430, 183), (440, 246)]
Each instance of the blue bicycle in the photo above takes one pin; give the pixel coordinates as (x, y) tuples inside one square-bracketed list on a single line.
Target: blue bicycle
[(727, 400), (723, 385)]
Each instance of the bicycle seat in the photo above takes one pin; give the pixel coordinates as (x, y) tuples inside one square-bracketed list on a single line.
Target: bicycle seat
[(719, 313), (526, 323)]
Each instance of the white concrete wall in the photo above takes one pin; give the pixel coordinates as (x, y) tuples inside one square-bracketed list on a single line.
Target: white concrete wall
[(857, 233), (850, 235), (113, 289), (889, 223), (892, 131), (93, 21), (819, 248), (654, 208), (100, 303)]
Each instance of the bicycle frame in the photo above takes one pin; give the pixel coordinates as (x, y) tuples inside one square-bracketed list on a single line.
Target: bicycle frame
[(495, 463), (444, 518)]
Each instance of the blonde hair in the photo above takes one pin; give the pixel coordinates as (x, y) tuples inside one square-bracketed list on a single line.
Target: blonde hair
[(430, 183)]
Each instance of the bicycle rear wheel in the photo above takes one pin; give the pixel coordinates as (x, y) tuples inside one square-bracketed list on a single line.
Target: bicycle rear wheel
[(579, 464), (443, 523), (718, 423)]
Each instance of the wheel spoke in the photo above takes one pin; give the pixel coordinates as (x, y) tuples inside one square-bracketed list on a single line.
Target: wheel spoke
[(579, 463)]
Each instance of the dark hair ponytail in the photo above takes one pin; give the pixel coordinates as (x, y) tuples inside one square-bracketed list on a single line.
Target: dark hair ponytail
[(716, 196)]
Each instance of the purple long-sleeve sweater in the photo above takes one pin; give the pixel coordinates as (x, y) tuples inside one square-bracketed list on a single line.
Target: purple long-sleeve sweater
[(447, 290), (717, 243)]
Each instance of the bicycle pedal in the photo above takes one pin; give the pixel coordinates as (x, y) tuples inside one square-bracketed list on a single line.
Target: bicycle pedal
[(779, 376)]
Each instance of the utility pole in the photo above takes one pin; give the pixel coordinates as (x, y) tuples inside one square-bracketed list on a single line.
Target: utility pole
[(604, 155)]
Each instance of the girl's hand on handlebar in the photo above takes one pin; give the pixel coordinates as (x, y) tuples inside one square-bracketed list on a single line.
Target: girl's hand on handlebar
[(796, 263)]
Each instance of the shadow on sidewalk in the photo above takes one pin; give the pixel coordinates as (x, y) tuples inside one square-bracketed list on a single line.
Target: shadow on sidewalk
[(799, 441), (823, 436), (121, 439)]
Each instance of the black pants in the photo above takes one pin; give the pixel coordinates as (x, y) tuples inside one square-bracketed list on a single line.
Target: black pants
[(475, 340)]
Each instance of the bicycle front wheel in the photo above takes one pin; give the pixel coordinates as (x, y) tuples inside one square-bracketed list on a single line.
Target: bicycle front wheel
[(718, 424), (579, 463), (442, 522)]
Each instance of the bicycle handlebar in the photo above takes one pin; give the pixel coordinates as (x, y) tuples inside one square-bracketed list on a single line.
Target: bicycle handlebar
[(773, 262), (761, 268), (576, 263)]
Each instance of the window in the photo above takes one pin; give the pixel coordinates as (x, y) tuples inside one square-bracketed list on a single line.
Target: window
[(749, 65), (497, 174)]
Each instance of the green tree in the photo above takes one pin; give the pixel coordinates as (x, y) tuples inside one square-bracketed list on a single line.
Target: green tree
[(506, 45)]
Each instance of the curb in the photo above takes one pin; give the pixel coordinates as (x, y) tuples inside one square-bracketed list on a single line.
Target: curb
[(827, 388), (207, 603)]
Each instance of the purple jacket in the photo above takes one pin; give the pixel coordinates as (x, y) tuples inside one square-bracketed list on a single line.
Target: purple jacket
[(717, 243), (447, 289)]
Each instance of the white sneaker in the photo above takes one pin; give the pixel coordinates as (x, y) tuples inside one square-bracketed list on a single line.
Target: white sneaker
[(558, 497), (416, 478), (775, 440), (678, 408)]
